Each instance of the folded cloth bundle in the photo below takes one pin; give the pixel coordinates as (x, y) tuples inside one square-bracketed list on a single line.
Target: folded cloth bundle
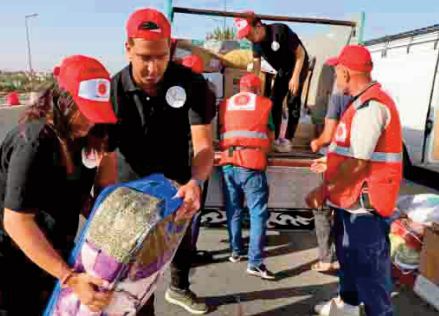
[(129, 241)]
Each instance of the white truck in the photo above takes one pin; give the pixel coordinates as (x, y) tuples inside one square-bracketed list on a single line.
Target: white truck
[(406, 64)]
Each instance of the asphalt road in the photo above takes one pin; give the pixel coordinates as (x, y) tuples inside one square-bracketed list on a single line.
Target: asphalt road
[(290, 255)]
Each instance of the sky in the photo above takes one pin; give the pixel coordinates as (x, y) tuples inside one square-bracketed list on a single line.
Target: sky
[(97, 27)]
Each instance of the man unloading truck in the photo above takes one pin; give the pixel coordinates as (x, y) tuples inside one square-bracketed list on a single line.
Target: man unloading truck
[(362, 181), (245, 140), (285, 52), (162, 109)]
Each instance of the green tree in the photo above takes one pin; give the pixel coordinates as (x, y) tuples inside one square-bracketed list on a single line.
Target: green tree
[(23, 82), (221, 34)]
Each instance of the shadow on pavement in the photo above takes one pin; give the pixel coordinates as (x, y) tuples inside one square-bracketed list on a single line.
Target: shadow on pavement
[(304, 307), (285, 243)]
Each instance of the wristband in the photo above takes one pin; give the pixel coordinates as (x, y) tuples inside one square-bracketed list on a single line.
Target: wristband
[(199, 182), (66, 277)]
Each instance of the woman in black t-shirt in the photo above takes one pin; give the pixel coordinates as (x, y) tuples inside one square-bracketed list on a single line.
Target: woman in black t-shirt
[(47, 169)]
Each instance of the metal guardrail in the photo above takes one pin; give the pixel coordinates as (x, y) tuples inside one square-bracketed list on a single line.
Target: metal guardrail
[(266, 17)]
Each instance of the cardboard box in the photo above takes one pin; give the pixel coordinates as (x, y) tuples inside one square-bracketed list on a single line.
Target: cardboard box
[(429, 266), (231, 81), (427, 290)]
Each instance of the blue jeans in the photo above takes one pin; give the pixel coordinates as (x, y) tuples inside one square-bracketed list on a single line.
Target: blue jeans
[(363, 250), (251, 185)]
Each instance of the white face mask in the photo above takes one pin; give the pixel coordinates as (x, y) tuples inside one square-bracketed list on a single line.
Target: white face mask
[(90, 160)]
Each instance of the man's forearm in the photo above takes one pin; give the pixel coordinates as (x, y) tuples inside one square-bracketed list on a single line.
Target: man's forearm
[(300, 59), (202, 164), (328, 132)]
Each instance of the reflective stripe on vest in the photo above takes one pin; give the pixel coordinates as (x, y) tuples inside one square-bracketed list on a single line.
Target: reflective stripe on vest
[(376, 156), (246, 134)]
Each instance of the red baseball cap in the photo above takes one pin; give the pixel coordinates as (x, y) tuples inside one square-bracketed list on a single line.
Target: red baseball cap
[(193, 62), (249, 80), (148, 24), (354, 57), (244, 24), (87, 80)]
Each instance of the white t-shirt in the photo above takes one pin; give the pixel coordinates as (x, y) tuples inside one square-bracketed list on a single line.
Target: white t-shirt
[(367, 126)]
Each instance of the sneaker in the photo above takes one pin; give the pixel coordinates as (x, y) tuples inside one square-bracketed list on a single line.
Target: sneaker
[(282, 145), (235, 258), (186, 299), (336, 307), (261, 272)]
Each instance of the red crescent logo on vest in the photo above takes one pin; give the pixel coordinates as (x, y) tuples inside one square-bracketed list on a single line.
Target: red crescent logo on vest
[(102, 89), (341, 134), (242, 99)]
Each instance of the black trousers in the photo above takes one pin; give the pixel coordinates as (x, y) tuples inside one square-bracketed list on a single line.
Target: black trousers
[(278, 93), (24, 287)]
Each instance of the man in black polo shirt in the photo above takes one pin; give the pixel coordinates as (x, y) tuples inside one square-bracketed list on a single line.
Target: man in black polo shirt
[(283, 49), (164, 110)]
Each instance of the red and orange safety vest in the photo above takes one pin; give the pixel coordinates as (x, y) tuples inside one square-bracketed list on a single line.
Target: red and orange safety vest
[(244, 134), (385, 173)]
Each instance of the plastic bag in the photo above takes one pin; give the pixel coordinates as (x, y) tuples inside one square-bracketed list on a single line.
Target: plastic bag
[(129, 241), (420, 208)]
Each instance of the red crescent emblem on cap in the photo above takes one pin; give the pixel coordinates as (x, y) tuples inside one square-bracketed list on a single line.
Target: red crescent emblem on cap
[(241, 24), (102, 88)]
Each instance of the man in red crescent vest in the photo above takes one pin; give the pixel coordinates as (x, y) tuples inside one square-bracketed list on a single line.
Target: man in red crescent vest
[(244, 141), (362, 181)]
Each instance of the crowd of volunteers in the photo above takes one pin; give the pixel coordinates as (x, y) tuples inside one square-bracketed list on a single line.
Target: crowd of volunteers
[(89, 130)]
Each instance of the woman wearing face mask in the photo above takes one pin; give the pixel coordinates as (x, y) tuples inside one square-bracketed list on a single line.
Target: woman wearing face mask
[(47, 168)]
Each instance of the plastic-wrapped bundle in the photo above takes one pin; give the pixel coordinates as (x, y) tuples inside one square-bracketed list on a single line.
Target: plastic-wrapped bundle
[(129, 241), (405, 244), (420, 208)]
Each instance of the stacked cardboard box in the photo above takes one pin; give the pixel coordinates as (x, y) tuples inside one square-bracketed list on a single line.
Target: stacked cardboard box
[(427, 283)]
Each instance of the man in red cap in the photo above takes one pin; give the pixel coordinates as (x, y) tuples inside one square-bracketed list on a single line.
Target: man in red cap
[(245, 140), (285, 52), (164, 126), (362, 180)]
